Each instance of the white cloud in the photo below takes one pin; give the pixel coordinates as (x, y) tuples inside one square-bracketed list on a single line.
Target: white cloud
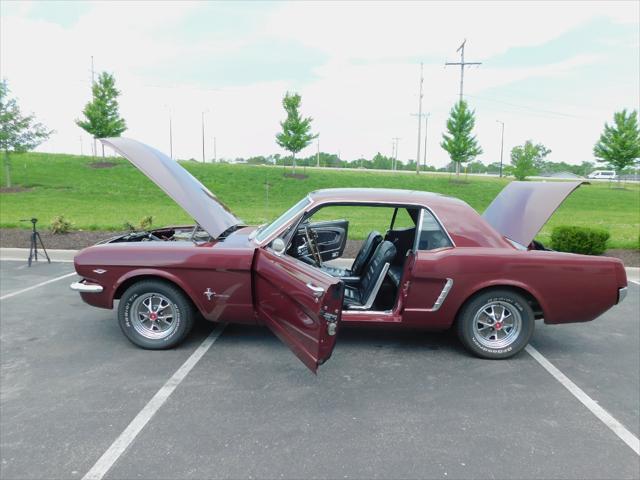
[(357, 105)]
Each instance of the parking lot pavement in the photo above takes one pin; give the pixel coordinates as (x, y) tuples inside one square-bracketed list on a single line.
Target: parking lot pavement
[(16, 275), (389, 404), (602, 357), (70, 383)]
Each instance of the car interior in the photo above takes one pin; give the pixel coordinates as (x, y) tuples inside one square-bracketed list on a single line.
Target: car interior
[(372, 281)]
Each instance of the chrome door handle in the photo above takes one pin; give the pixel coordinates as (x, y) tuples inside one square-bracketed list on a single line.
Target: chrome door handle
[(317, 291)]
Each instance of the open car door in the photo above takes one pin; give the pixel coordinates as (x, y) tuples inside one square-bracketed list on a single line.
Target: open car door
[(301, 304)]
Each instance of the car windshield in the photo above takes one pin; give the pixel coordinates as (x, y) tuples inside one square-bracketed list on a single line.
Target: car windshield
[(264, 232)]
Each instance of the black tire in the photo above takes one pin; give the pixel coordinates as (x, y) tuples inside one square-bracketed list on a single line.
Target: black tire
[(475, 320), (156, 292)]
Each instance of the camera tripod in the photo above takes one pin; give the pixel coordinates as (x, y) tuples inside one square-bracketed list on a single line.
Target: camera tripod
[(35, 238)]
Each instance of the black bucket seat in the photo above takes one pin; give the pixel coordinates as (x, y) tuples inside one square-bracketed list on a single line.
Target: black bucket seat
[(362, 294), (364, 255)]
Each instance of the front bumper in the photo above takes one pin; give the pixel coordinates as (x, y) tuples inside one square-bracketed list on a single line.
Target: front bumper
[(84, 287), (622, 293)]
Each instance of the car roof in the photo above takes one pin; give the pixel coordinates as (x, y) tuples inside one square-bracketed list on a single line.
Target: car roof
[(464, 225), (384, 195)]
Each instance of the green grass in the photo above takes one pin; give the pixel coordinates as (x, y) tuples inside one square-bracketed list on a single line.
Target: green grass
[(103, 199)]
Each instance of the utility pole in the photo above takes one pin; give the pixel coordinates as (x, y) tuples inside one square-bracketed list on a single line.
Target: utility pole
[(396, 140), (215, 152), (170, 136), (205, 111), (318, 153), (462, 64), (419, 120), (93, 81), (81, 149), (426, 126), (501, 144)]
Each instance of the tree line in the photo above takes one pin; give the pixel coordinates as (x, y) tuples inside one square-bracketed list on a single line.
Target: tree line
[(618, 146)]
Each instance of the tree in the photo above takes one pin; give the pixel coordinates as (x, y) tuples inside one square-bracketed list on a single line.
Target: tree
[(296, 131), (619, 144), (527, 158), (458, 142), (18, 133), (102, 118)]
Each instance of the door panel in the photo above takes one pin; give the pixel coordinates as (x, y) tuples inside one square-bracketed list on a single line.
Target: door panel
[(299, 303), (332, 238)]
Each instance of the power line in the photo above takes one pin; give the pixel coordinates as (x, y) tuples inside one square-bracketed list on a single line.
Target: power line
[(462, 64), (533, 109)]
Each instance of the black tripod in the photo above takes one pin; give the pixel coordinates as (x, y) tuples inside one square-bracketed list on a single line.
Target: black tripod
[(35, 238)]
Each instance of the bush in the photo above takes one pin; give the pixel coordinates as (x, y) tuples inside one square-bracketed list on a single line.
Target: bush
[(584, 240), (59, 224), (145, 223)]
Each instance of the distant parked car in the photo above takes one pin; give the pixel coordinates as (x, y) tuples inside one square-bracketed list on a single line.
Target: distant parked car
[(602, 174), (440, 264)]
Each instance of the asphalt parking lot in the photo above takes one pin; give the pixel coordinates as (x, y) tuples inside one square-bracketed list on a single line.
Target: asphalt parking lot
[(389, 403)]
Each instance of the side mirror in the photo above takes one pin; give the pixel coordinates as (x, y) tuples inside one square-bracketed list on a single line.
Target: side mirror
[(278, 246)]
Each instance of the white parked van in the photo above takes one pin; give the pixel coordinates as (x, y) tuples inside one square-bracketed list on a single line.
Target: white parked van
[(602, 174)]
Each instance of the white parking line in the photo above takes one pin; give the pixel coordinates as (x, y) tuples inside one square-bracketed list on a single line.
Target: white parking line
[(605, 417), (16, 259), (118, 447), (37, 285)]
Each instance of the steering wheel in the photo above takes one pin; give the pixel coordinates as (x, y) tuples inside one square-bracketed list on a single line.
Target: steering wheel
[(313, 246)]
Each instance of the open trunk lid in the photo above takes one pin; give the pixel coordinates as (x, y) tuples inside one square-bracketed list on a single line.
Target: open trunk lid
[(196, 199), (522, 208)]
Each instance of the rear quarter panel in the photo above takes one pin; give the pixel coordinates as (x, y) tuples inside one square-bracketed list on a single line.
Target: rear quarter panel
[(568, 287)]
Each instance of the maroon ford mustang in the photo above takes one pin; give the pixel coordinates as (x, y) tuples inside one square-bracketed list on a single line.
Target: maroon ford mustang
[(439, 265)]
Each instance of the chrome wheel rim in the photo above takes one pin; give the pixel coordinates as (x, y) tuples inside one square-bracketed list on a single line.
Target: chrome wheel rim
[(154, 316), (497, 325)]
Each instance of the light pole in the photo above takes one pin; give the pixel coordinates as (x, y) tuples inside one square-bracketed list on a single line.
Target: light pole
[(170, 133), (426, 126), (419, 119), (501, 144), (205, 111)]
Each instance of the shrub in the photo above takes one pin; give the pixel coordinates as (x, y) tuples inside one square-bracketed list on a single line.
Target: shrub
[(588, 241), (145, 223), (59, 224)]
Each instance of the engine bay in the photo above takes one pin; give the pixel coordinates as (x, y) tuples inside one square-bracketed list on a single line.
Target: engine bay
[(168, 234)]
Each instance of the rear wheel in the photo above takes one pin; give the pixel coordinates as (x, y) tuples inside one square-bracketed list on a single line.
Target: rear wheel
[(155, 315), (496, 324)]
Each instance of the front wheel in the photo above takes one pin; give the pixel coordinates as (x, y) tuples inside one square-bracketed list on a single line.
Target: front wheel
[(496, 324), (155, 315)]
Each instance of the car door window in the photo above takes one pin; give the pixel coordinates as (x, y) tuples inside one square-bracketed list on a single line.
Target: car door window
[(432, 235)]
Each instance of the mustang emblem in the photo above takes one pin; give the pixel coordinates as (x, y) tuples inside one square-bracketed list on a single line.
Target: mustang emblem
[(209, 293)]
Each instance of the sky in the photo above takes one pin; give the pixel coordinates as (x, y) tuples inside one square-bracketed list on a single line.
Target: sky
[(553, 72)]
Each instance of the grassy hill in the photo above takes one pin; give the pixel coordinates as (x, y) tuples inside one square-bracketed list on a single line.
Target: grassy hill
[(105, 198)]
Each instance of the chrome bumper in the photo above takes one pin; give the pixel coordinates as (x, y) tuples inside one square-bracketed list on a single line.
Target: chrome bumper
[(622, 293), (86, 287)]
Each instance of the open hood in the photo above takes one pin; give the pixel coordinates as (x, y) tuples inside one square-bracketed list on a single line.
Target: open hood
[(522, 208), (205, 208)]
